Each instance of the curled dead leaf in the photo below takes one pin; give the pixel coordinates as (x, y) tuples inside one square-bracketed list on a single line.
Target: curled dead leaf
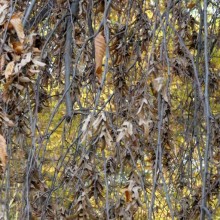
[(3, 11), (3, 152), (38, 63), (18, 47), (164, 95), (98, 121), (158, 83), (24, 62), (125, 131), (16, 22), (9, 69), (106, 135), (24, 79), (86, 123), (100, 47), (18, 86), (6, 120), (128, 195), (2, 62)]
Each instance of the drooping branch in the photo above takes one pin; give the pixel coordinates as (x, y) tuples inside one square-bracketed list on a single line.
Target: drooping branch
[(68, 55), (207, 116), (43, 13)]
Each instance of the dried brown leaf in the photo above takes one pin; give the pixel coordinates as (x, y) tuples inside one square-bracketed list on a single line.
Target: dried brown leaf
[(98, 120), (9, 69), (86, 123), (24, 62), (128, 196), (3, 12), (144, 101), (3, 152), (129, 127), (158, 83), (38, 63), (24, 79), (100, 47), (125, 131), (120, 135), (165, 96), (2, 62), (191, 5), (6, 120), (18, 47), (16, 22)]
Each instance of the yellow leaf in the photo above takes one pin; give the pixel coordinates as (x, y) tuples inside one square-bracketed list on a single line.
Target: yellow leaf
[(3, 152), (9, 69), (100, 47), (17, 25), (191, 5)]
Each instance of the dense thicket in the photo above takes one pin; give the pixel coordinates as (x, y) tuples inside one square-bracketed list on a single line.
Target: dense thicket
[(109, 109)]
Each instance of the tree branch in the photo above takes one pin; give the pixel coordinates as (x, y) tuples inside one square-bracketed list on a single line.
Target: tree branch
[(68, 56)]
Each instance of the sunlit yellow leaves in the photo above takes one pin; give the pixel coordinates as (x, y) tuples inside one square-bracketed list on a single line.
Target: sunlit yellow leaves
[(100, 47), (3, 152)]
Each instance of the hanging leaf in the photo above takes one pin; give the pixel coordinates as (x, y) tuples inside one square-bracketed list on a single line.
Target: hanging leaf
[(128, 196), (18, 47), (38, 63), (158, 83), (3, 152), (2, 62), (9, 69), (125, 131), (24, 79), (3, 11), (17, 25), (24, 62), (6, 120), (164, 95), (100, 47), (86, 123)]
